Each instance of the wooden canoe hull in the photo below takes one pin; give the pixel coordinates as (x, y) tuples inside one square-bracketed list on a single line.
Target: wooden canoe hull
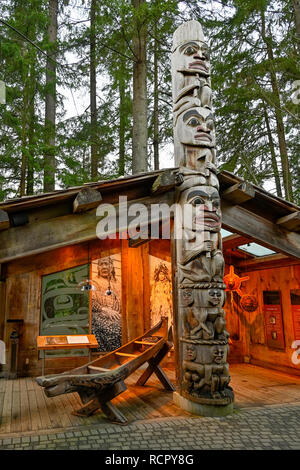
[(87, 384)]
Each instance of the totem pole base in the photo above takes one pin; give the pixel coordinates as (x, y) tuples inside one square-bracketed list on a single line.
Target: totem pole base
[(201, 409)]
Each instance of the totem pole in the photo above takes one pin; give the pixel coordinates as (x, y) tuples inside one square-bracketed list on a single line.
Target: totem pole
[(199, 266)]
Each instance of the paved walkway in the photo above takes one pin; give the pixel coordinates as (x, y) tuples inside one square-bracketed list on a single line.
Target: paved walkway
[(270, 427)]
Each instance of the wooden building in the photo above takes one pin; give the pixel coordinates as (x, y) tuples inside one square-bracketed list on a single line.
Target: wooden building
[(49, 248)]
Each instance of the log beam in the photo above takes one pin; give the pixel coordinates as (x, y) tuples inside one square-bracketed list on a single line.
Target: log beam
[(233, 241), (266, 262), (239, 193), (70, 229), (4, 220), (86, 199), (164, 182), (290, 222), (238, 219)]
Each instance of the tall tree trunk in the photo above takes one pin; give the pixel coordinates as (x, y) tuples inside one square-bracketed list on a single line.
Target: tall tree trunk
[(273, 153), (155, 103), (286, 174), (297, 21), (50, 108), (31, 132), (140, 125), (122, 123), (24, 122), (24, 140), (93, 95)]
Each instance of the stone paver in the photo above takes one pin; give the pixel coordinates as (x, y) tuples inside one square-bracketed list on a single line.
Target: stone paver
[(272, 427)]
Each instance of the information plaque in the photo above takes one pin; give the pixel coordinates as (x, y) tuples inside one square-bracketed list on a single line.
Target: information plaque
[(273, 319)]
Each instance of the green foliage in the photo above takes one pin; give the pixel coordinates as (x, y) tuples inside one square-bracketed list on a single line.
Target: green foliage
[(244, 100)]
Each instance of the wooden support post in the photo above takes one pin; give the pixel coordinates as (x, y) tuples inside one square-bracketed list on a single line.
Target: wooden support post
[(86, 199), (154, 367), (239, 193), (290, 222), (113, 414)]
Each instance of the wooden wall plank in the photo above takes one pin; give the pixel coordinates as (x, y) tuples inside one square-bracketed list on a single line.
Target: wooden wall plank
[(254, 337)]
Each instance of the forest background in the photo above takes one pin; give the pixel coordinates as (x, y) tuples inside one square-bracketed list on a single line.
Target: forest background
[(88, 90)]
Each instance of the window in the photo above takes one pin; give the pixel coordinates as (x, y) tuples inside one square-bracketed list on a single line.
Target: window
[(256, 250)]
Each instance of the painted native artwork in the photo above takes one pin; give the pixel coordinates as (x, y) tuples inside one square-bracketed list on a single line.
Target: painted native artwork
[(106, 302), (161, 290), (65, 307), (201, 324)]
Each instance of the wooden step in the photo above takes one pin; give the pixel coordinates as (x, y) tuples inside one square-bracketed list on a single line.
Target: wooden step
[(97, 369), (126, 354)]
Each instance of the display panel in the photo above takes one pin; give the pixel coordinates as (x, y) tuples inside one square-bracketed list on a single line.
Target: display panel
[(65, 307), (273, 319), (295, 302), (106, 302), (161, 290)]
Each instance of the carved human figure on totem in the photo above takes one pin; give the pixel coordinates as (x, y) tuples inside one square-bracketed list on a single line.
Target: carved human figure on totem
[(200, 250), (193, 131), (200, 309), (191, 62), (196, 127), (204, 162), (206, 379), (220, 377), (219, 326)]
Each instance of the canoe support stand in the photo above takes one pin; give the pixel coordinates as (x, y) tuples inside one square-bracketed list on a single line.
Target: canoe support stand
[(103, 399), (155, 368)]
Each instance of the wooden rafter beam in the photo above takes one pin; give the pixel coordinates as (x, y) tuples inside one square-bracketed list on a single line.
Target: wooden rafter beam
[(233, 241), (239, 193), (290, 222), (70, 229), (246, 223), (267, 262), (86, 199), (4, 220), (164, 182)]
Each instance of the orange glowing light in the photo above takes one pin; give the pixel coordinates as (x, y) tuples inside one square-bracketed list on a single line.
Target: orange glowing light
[(233, 281)]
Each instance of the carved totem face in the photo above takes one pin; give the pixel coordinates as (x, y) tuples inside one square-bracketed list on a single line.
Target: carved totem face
[(209, 298), (216, 297), (193, 57), (218, 354), (206, 212), (186, 297), (190, 352), (196, 127)]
